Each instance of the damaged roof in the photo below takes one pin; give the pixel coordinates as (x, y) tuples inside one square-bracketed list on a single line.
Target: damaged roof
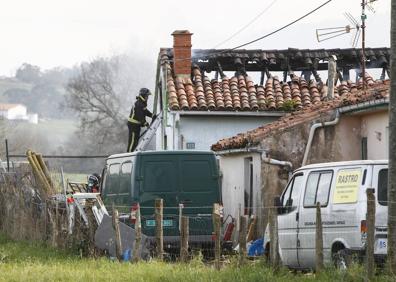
[(376, 92), (240, 93)]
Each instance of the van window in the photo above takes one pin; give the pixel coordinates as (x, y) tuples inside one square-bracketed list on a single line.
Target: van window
[(317, 189), (125, 178), (159, 176), (383, 187), (290, 196), (197, 176), (112, 179)]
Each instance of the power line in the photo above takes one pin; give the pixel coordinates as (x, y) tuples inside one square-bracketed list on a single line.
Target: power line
[(283, 27), (247, 25), (262, 37)]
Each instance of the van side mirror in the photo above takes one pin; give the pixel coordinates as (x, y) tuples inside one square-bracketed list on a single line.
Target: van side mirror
[(278, 204)]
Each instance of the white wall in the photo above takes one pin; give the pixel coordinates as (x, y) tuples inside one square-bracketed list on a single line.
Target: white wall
[(232, 167), (205, 131), (374, 127), (17, 112)]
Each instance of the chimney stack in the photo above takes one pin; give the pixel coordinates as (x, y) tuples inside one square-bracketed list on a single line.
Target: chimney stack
[(182, 53)]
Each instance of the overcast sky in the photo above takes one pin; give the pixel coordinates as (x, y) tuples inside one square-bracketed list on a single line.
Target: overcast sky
[(52, 33)]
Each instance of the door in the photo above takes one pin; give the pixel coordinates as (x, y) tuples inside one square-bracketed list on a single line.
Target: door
[(199, 189), (317, 189), (288, 221), (380, 181)]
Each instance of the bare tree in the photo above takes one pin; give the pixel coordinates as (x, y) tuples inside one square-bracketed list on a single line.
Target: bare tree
[(102, 94)]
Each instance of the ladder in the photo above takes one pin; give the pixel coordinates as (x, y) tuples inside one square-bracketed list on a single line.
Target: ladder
[(146, 137)]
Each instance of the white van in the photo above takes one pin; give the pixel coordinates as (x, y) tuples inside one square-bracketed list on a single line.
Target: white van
[(340, 187)]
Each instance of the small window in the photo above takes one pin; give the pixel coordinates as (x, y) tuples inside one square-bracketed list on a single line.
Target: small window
[(125, 178), (317, 189), (291, 195), (383, 187), (112, 179)]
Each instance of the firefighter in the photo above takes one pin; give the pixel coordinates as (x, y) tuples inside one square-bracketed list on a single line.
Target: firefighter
[(137, 118)]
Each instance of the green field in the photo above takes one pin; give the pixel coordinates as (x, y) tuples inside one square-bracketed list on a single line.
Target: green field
[(22, 261)]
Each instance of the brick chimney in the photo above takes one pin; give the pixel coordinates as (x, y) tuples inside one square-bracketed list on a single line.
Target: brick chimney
[(182, 53)]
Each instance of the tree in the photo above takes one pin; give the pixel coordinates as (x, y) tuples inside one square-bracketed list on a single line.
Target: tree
[(392, 148), (28, 73), (101, 94)]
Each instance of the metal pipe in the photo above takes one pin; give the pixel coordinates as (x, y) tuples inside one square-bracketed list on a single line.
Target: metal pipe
[(312, 133), (7, 155), (276, 162)]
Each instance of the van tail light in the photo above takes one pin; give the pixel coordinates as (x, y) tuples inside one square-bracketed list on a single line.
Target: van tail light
[(134, 209), (363, 226)]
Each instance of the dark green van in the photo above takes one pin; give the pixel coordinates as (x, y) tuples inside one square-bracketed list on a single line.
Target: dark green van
[(190, 178)]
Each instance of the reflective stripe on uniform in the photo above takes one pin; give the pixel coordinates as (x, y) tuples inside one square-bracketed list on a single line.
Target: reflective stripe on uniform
[(133, 120)]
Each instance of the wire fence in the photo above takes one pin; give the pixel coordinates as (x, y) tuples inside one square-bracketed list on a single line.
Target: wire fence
[(290, 237)]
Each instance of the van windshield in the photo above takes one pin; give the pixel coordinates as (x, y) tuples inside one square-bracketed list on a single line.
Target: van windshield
[(383, 187)]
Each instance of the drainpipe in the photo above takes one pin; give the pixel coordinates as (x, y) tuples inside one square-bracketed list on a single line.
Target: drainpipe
[(312, 133), (276, 162)]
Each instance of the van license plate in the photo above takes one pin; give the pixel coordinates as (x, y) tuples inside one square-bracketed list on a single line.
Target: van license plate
[(165, 222), (381, 246)]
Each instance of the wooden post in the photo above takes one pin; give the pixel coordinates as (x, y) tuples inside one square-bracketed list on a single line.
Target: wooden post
[(370, 220), (116, 228), (319, 240), (242, 238), (216, 228), (274, 245), (159, 234), (184, 239), (138, 236), (252, 229)]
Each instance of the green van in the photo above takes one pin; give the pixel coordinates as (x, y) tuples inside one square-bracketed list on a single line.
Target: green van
[(187, 181)]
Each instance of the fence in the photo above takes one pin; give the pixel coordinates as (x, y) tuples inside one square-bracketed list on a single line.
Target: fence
[(26, 212)]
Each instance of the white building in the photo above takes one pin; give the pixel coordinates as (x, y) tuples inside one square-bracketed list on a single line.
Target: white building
[(17, 112)]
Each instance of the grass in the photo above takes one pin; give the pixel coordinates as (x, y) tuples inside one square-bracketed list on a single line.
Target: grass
[(23, 261)]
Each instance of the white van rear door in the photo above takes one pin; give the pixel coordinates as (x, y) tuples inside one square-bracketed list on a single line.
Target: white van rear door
[(288, 221)]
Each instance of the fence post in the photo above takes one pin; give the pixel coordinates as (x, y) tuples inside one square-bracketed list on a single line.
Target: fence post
[(370, 220), (7, 155), (217, 227), (159, 234), (184, 239), (252, 229), (274, 246), (116, 228), (138, 235), (318, 240), (242, 238)]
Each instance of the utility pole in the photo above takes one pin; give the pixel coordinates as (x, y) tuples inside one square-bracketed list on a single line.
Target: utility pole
[(392, 149), (363, 26)]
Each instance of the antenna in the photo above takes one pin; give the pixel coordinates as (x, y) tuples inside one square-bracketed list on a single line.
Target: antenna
[(323, 34)]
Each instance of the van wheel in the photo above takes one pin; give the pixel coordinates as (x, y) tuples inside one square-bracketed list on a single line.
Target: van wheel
[(342, 259)]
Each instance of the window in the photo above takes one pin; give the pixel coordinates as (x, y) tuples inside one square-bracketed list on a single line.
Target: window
[(126, 178), (160, 176), (318, 187), (291, 195), (383, 187), (112, 179), (197, 176)]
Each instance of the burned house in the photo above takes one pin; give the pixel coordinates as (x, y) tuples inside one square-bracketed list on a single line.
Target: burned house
[(207, 95)]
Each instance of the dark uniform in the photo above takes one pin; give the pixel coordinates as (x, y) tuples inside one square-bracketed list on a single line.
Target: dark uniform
[(137, 118)]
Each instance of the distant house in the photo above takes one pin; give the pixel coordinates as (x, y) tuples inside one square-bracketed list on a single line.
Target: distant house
[(17, 112), (207, 95), (256, 164)]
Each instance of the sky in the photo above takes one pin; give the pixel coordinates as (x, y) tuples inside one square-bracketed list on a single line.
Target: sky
[(51, 33)]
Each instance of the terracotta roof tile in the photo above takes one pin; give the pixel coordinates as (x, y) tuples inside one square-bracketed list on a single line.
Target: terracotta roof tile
[(349, 96)]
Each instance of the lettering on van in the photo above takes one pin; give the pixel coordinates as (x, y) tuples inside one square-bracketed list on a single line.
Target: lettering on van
[(325, 223), (347, 186)]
